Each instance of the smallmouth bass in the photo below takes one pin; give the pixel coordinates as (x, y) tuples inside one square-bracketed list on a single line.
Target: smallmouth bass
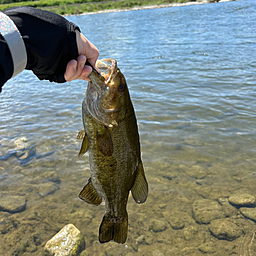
[(112, 139)]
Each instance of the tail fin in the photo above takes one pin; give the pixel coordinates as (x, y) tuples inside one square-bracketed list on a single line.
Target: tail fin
[(113, 228)]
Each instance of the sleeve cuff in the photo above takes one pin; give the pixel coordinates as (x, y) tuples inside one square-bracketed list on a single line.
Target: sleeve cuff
[(15, 43)]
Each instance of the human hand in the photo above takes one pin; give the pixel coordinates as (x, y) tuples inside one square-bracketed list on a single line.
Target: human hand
[(76, 69), (53, 44)]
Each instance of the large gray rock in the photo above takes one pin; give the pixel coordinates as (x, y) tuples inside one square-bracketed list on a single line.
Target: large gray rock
[(205, 210), (67, 242), (225, 229)]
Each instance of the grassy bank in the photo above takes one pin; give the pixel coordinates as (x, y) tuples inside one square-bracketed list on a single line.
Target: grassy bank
[(81, 6)]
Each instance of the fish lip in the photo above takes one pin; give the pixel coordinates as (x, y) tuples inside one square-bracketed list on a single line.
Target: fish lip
[(98, 81), (113, 70)]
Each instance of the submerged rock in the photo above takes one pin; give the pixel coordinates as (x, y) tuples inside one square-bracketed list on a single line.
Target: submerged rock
[(140, 239), (194, 235), (157, 253), (21, 142), (207, 247), (67, 242), (190, 233), (12, 204), (227, 207), (243, 199), (46, 189), (205, 210), (196, 172), (225, 229), (249, 213), (176, 223), (149, 237), (157, 226)]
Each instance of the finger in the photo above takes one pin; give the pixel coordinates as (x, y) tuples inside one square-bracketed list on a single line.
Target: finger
[(76, 70), (80, 66), (85, 73), (70, 70)]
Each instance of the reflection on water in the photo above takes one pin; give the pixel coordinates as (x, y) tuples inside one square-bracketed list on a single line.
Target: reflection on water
[(191, 74)]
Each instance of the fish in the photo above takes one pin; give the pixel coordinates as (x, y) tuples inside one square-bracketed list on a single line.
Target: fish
[(111, 137)]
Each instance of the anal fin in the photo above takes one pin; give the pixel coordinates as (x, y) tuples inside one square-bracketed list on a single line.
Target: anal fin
[(140, 186), (89, 194)]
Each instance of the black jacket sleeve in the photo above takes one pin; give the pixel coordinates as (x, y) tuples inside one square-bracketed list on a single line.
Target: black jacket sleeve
[(50, 42), (6, 65)]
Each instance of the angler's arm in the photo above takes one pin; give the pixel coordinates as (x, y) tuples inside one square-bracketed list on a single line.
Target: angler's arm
[(51, 46)]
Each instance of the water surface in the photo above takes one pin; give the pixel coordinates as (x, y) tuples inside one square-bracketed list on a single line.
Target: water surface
[(191, 75)]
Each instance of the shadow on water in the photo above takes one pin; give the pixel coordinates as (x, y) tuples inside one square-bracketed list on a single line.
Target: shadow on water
[(191, 73)]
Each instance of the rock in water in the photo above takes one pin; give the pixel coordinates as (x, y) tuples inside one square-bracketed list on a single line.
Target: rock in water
[(249, 213), (12, 204), (225, 229), (67, 242), (205, 210), (157, 226), (242, 199)]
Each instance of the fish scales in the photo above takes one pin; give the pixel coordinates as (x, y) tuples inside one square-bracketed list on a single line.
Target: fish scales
[(111, 136)]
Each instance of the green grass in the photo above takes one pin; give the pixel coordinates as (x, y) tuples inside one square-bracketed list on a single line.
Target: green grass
[(81, 6), (44, 3)]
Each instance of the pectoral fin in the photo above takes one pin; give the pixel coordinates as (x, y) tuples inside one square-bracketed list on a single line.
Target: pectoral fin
[(84, 146), (80, 135), (89, 194), (140, 186), (104, 142)]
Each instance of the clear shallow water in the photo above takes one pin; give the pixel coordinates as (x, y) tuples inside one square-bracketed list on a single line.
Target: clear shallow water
[(191, 75)]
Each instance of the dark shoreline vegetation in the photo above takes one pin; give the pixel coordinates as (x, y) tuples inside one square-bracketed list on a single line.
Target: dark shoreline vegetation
[(82, 6)]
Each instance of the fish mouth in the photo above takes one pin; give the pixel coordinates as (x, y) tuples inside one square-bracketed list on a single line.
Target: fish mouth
[(99, 93), (107, 71)]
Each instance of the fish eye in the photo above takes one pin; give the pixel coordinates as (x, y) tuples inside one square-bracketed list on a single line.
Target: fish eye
[(121, 87)]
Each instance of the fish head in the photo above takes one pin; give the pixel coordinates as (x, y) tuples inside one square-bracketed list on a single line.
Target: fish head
[(107, 96)]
